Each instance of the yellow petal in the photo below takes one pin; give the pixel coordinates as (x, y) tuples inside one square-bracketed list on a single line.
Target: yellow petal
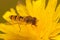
[(56, 15), (51, 5), (58, 11), (12, 32), (9, 28), (9, 13), (21, 9), (36, 8), (55, 34), (29, 7), (39, 4), (58, 37)]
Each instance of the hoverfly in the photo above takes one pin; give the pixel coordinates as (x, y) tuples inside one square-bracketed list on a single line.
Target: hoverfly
[(27, 19)]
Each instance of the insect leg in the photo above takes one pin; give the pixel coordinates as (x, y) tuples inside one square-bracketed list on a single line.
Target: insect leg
[(19, 27)]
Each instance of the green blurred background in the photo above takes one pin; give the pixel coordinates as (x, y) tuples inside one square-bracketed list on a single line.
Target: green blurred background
[(7, 4)]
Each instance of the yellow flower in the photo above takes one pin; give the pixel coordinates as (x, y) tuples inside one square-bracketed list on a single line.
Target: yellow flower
[(48, 25)]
